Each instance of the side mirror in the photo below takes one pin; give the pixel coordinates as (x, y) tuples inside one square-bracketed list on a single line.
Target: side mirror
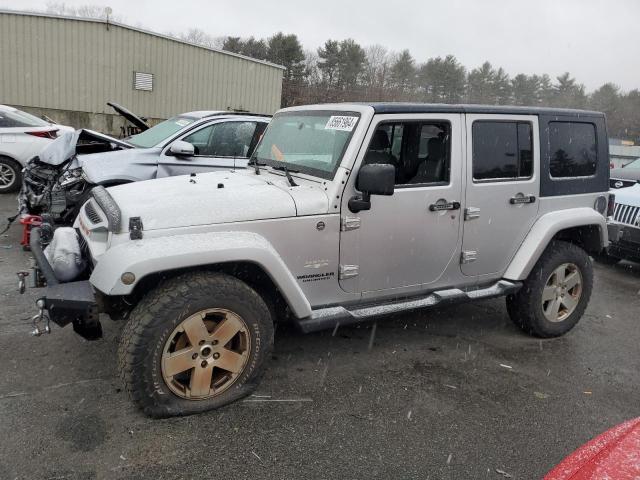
[(180, 148), (373, 179)]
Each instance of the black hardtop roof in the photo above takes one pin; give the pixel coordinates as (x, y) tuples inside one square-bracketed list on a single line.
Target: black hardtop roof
[(394, 107)]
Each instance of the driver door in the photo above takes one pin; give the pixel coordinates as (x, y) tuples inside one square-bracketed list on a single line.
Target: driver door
[(221, 145), (406, 241)]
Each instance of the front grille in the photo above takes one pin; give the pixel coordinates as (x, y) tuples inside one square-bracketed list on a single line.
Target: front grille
[(91, 213), (626, 214)]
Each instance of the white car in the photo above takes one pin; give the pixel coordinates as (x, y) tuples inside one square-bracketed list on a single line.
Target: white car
[(624, 225), (22, 137)]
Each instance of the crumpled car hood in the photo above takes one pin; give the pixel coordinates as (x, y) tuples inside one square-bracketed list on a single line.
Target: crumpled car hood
[(105, 167), (60, 150), (208, 198)]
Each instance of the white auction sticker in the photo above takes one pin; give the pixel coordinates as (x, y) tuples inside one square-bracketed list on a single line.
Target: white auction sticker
[(182, 123), (339, 122)]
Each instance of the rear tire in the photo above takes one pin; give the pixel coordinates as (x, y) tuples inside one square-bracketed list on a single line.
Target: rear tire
[(556, 293), (10, 175), (169, 357)]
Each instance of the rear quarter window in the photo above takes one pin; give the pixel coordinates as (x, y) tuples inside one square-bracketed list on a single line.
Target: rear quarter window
[(573, 149)]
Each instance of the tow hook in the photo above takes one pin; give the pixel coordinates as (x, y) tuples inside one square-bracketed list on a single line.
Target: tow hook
[(40, 321), (22, 284)]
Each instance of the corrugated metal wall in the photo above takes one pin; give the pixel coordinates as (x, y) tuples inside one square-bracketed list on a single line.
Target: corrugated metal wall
[(71, 64)]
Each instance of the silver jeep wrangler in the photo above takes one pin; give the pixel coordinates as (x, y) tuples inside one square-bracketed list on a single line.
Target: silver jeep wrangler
[(347, 212)]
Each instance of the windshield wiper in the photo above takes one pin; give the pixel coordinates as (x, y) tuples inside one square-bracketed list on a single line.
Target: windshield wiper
[(256, 164), (287, 172)]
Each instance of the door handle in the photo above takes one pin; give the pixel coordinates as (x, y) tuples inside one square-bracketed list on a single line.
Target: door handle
[(520, 199), (440, 206)]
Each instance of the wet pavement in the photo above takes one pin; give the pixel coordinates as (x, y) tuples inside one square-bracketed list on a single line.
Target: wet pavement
[(454, 393)]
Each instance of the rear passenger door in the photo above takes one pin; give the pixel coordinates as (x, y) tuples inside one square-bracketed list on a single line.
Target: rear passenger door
[(502, 187), (225, 145)]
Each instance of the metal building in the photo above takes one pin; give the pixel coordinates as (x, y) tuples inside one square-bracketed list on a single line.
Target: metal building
[(68, 68)]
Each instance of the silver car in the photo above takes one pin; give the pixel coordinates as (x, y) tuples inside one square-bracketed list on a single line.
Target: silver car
[(349, 212), (192, 142)]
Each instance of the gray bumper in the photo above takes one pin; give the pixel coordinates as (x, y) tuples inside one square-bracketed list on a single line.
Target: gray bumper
[(71, 302), (624, 241)]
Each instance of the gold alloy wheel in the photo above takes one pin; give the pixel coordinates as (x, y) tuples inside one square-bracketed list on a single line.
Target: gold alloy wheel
[(205, 354), (562, 292)]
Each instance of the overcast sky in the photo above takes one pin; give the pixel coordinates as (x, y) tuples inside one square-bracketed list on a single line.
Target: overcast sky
[(597, 41)]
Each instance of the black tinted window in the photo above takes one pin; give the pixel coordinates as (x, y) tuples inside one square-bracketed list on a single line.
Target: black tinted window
[(572, 147), (420, 151), (502, 150)]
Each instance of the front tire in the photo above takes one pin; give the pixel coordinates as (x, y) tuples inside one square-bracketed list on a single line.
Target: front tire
[(10, 175), (195, 343), (556, 293)]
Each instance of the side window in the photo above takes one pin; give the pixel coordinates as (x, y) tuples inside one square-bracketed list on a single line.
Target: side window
[(420, 151), (227, 139), (502, 150), (572, 146), (200, 139), (7, 121)]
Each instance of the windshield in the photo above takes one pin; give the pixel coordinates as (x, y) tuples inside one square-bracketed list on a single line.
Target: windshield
[(18, 118), (310, 142), (162, 131)]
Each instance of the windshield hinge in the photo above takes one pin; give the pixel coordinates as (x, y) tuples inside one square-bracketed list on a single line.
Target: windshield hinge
[(349, 223), (135, 228)]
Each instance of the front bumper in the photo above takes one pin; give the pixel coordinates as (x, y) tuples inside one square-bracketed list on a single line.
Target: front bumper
[(64, 303), (624, 241)]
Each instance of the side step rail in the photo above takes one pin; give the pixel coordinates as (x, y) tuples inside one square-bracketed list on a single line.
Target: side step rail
[(329, 317)]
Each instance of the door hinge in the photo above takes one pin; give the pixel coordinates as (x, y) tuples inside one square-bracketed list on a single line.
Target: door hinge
[(348, 271), (468, 256), (349, 223), (471, 212)]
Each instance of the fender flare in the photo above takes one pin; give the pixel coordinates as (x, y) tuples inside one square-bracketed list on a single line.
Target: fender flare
[(543, 231), (154, 255)]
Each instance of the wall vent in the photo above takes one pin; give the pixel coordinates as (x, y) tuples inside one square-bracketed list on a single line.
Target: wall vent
[(143, 81)]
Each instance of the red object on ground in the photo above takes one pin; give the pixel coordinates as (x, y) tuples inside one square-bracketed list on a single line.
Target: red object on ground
[(29, 221), (614, 455)]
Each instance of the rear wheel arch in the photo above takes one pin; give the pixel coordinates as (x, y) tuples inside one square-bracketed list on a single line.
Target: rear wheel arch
[(587, 237), (583, 227)]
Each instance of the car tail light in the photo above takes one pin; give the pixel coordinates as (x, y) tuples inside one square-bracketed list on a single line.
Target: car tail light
[(50, 134), (611, 205)]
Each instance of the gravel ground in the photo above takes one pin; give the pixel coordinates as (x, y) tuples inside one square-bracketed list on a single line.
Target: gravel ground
[(453, 393)]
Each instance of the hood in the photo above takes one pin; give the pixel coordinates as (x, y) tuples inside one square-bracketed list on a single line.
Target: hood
[(120, 165), (215, 197), (628, 195), (132, 117), (60, 150), (71, 142)]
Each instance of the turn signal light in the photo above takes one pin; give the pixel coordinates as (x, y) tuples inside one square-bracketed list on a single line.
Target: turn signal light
[(611, 205)]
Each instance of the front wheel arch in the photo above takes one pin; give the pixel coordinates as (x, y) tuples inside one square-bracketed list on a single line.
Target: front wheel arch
[(249, 272)]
